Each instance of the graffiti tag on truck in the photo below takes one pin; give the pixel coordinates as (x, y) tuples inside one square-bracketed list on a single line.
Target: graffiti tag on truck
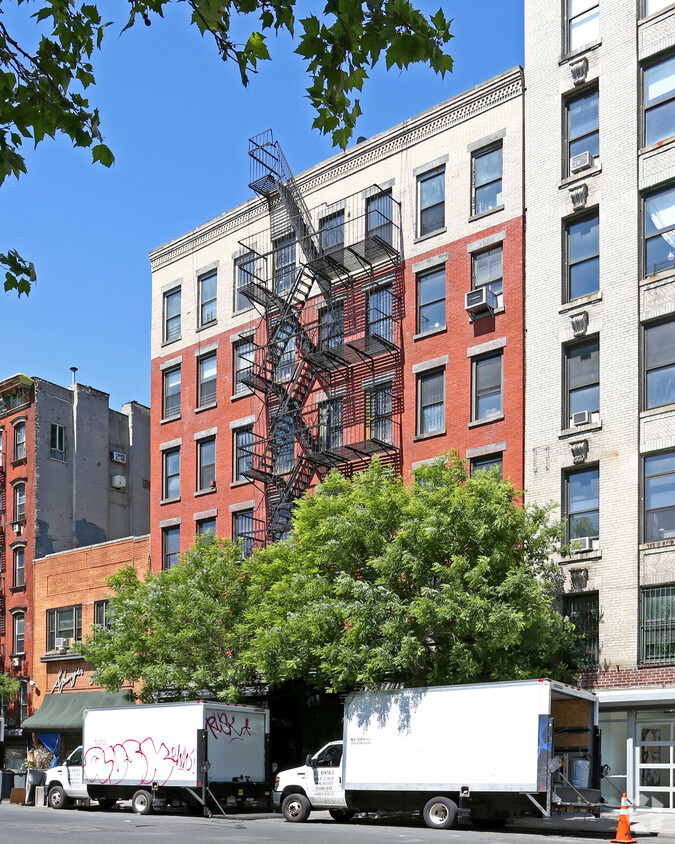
[(223, 725), (137, 761)]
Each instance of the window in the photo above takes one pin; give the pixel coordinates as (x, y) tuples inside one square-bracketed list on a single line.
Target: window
[(207, 380), (431, 300), (243, 451), (102, 614), (20, 441), (583, 260), (172, 315), (332, 326), (660, 363), (23, 701), (486, 463), (244, 273), (431, 201), (57, 441), (659, 101), (19, 566), (64, 623), (206, 527), (284, 354), (379, 217), (582, 377), (284, 263), (172, 393), (208, 292), (660, 497), (206, 464), (19, 644), (582, 124), (171, 459), (487, 180), (584, 613), (487, 272), (657, 624), (582, 504), (660, 231), (244, 358), (379, 409), (380, 312), (330, 424), (584, 23), (332, 231), (431, 402), (170, 546), (242, 530), (284, 444), (487, 387), (654, 6), (19, 502), (330, 757)]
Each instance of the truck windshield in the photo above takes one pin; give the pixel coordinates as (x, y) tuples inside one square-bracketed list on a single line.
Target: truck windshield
[(330, 757), (75, 757)]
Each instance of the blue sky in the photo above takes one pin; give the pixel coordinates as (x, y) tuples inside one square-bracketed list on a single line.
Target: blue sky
[(178, 122)]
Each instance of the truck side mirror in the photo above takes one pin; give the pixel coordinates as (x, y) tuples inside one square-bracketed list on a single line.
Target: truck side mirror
[(308, 760)]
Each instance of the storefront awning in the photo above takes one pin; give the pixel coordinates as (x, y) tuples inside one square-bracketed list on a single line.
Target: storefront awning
[(61, 713)]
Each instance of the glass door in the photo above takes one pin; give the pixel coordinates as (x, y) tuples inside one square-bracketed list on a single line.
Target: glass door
[(654, 764)]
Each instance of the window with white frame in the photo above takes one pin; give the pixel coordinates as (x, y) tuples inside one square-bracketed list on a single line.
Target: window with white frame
[(431, 300), (582, 125), (171, 480), (486, 179), (431, 201), (583, 256), (659, 101), (208, 297), (583, 23), (431, 402), (332, 231), (582, 503), (19, 566), (380, 216), (242, 530), (487, 272), (244, 273), (660, 363), (19, 642), (19, 502), (659, 231), (206, 389), (651, 7), (244, 358), (659, 521), (172, 313), (57, 441), (20, 441), (172, 392), (103, 614), (243, 451), (170, 546), (64, 623), (330, 424), (284, 263), (487, 386), (582, 377), (206, 464)]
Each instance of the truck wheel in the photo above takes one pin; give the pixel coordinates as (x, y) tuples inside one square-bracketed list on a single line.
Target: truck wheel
[(57, 798), (141, 802), (341, 815), (296, 808), (440, 813)]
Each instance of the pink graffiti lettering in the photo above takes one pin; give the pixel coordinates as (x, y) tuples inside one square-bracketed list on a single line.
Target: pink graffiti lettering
[(135, 761), (221, 724)]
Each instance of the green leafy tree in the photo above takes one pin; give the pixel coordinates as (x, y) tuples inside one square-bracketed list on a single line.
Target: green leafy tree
[(9, 686), (42, 90), (443, 580)]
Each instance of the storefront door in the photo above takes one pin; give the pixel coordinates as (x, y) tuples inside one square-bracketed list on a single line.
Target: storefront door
[(655, 764)]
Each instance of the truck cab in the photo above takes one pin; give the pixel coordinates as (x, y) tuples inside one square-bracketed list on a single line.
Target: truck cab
[(315, 785), (65, 782)]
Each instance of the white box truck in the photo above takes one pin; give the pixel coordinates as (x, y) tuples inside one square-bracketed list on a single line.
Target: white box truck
[(198, 754), (482, 752)]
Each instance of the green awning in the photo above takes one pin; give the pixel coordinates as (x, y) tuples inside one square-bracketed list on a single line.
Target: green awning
[(60, 713)]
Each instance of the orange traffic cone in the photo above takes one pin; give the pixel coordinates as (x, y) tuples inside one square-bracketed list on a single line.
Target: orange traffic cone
[(623, 827)]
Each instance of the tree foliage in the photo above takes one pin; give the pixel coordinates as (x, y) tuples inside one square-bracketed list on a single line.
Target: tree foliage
[(9, 686), (42, 90), (443, 580)]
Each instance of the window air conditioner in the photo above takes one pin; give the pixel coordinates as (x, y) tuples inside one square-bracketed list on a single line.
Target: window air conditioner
[(480, 301), (583, 417), (583, 543), (16, 662), (580, 162), (118, 482), (60, 642)]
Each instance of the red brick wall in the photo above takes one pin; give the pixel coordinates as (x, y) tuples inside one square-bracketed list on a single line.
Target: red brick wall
[(618, 678)]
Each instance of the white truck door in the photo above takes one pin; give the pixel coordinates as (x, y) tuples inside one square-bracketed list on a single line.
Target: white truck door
[(323, 780), (75, 784)]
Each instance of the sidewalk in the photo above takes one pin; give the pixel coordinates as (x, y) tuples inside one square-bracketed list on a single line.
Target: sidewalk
[(643, 824)]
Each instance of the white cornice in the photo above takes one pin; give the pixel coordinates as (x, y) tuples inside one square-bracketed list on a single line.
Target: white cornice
[(464, 106)]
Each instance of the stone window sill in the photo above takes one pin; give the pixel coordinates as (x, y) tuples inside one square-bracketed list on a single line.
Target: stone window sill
[(487, 213), (424, 237), (429, 436), (487, 421)]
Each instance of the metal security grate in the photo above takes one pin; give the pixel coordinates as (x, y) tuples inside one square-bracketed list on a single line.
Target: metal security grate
[(584, 612), (657, 626)]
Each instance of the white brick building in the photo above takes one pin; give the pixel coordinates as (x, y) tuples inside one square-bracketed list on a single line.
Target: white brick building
[(600, 353)]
